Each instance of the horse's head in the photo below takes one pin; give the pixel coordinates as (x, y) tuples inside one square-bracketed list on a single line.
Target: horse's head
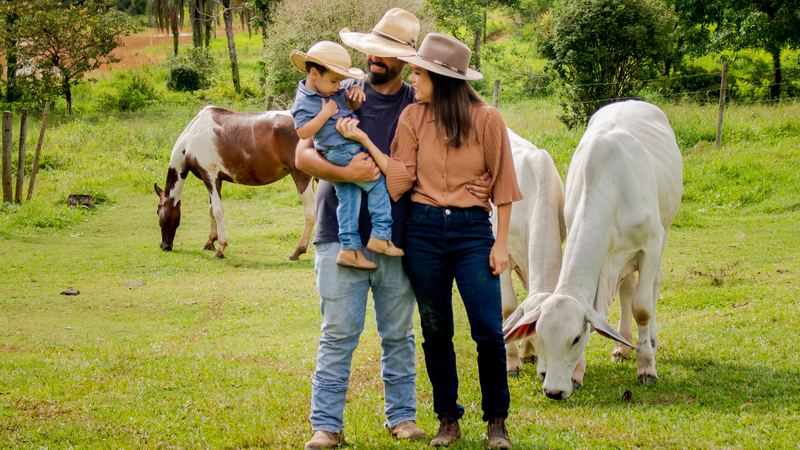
[(169, 218)]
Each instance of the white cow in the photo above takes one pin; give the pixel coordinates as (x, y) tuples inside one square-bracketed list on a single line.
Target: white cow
[(624, 189), (535, 234)]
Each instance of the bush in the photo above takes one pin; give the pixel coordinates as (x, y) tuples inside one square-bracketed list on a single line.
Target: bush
[(298, 24), (190, 70), (597, 48), (134, 91)]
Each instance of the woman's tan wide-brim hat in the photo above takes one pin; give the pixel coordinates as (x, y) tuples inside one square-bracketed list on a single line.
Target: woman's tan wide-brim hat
[(394, 35), (328, 54), (444, 55)]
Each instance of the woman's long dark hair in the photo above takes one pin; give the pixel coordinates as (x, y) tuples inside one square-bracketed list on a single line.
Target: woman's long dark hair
[(451, 101)]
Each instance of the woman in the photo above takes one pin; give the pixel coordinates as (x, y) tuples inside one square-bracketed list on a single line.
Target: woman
[(446, 140)]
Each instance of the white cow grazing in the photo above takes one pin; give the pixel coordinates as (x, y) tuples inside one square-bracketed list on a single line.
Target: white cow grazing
[(624, 189), (535, 234)]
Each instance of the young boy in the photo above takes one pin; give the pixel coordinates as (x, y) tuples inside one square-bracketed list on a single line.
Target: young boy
[(318, 105)]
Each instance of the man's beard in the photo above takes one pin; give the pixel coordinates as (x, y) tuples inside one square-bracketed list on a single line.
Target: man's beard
[(377, 79)]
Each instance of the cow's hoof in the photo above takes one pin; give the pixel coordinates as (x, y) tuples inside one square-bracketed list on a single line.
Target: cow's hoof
[(512, 374), (576, 385), (619, 355), (646, 378), (531, 360), (219, 255), (208, 246)]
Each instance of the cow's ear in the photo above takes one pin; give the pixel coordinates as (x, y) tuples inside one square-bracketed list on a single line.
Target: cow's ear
[(522, 328), (603, 328), (159, 191)]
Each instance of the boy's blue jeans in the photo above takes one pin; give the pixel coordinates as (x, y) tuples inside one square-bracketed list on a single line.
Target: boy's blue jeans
[(349, 195)]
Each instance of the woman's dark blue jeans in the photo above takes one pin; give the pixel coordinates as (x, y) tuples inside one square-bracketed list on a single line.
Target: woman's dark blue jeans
[(443, 244)]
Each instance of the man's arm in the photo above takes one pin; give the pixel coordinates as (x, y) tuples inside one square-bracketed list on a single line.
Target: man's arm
[(360, 170)]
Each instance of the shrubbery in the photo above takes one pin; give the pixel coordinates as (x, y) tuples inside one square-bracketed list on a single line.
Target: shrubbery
[(297, 25), (134, 91), (190, 70)]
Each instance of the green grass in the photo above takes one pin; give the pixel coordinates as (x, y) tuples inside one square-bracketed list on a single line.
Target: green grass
[(219, 353)]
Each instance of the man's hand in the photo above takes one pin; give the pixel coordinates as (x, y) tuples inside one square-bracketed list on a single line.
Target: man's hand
[(329, 108), (362, 169), (482, 187)]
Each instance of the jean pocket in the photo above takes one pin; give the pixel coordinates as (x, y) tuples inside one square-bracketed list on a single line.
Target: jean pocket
[(322, 247), (415, 217)]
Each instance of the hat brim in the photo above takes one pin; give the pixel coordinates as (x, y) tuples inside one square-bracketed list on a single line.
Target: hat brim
[(471, 75), (371, 44), (299, 60)]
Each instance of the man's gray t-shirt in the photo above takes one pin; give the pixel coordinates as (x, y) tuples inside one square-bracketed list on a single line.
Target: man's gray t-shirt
[(379, 115)]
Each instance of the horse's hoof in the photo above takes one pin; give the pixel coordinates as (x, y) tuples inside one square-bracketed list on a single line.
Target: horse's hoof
[(208, 247), (294, 256), (219, 255), (646, 379)]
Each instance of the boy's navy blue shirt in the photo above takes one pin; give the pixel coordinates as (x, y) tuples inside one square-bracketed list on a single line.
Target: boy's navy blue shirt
[(307, 104), (379, 114)]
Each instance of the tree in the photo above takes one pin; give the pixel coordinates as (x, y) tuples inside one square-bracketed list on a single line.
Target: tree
[(168, 14), (262, 15), (228, 16), (64, 43), (598, 48), (8, 23), (462, 18)]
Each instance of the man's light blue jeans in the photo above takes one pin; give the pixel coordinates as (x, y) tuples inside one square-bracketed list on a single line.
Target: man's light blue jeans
[(343, 302), (349, 195)]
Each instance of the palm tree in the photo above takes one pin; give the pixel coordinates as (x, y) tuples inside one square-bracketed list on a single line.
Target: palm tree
[(168, 14)]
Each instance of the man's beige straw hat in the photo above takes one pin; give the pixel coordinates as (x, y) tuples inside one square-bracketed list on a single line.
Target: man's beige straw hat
[(445, 55), (328, 54), (394, 35)]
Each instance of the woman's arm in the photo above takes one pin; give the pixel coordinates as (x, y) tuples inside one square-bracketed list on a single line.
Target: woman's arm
[(498, 259)]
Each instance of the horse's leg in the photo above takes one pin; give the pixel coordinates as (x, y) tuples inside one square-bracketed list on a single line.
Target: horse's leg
[(212, 235), (218, 228), (308, 199)]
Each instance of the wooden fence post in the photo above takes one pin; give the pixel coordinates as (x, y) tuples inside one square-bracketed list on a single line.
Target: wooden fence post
[(23, 134), (270, 100), (496, 93), (7, 121), (35, 167), (722, 89)]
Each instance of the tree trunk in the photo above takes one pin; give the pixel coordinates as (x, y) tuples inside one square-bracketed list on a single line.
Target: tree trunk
[(194, 18), (228, 16), (775, 89), (175, 31), (11, 60), (208, 19), (476, 41), (68, 94)]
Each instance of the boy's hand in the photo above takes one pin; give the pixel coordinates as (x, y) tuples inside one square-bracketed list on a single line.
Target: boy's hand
[(329, 108), (356, 94)]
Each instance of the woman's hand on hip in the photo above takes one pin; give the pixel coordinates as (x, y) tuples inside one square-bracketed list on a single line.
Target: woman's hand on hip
[(498, 258)]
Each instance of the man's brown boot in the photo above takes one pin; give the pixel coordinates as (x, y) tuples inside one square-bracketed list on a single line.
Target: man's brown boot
[(354, 259), (407, 430), (449, 431), (383, 247), (324, 439), (497, 434)]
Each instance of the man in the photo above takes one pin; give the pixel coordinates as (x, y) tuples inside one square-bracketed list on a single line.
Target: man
[(344, 291)]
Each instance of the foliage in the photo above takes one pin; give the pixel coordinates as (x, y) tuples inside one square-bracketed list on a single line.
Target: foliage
[(190, 71), (134, 91), (64, 43), (598, 48), (298, 24), (168, 14)]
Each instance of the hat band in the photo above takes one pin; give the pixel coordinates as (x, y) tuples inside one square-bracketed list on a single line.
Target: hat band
[(412, 44), (443, 64)]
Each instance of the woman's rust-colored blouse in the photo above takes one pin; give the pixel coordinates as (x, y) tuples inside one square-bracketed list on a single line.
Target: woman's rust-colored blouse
[(439, 175)]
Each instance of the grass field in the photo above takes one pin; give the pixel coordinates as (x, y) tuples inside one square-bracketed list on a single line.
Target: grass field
[(219, 353)]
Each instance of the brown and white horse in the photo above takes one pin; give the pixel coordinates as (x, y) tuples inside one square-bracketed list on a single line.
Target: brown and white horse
[(219, 145)]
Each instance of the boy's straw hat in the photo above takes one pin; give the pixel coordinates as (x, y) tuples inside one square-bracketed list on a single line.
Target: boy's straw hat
[(445, 55), (328, 54), (394, 35)]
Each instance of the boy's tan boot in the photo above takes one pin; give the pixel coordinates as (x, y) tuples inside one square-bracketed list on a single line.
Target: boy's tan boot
[(354, 259), (383, 247), (497, 434), (324, 439), (407, 430), (449, 431)]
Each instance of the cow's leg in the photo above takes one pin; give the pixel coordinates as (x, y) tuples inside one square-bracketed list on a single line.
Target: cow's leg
[(627, 287), (656, 293), (212, 235), (308, 199), (579, 372), (513, 363), (643, 311), (215, 194), (528, 352)]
